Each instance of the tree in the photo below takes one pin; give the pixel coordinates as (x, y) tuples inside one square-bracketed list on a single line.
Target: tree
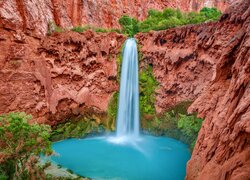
[(129, 25), (211, 13), (21, 143)]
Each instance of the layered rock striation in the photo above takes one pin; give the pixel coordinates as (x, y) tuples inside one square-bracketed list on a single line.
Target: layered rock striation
[(57, 77), (210, 64), (34, 16)]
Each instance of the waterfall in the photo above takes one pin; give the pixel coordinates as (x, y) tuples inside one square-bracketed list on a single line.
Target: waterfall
[(128, 124)]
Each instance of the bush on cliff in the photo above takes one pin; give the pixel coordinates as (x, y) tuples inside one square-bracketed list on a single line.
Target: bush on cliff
[(81, 29), (211, 13), (21, 143), (53, 27)]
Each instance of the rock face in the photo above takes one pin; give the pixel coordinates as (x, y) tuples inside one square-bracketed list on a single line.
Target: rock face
[(56, 77), (223, 147), (211, 64), (34, 16), (182, 71)]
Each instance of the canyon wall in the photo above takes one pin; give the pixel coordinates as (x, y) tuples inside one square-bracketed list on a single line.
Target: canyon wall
[(34, 16), (209, 63), (57, 77), (182, 71)]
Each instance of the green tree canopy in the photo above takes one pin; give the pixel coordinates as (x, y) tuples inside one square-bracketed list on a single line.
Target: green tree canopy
[(20, 143), (129, 25)]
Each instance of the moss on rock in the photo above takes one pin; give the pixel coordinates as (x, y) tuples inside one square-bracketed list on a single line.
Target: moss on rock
[(79, 127), (175, 123)]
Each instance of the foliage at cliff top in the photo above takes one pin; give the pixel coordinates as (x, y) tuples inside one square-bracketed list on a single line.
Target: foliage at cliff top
[(168, 18), (21, 143)]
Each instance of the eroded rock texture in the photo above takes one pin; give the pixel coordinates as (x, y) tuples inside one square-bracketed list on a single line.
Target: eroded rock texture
[(60, 76), (182, 71), (209, 63), (223, 147), (34, 16)]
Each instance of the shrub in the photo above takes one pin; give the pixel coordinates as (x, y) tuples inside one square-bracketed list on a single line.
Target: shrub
[(21, 143), (52, 27), (154, 13), (79, 28), (167, 13), (190, 125), (211, 13)]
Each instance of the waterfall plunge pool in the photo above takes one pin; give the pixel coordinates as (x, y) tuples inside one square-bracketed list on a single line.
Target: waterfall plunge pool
[(109, 158)]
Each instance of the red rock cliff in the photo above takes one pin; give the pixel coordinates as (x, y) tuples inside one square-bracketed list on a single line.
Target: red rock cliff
[(34, 16), (209, 63), (56, 77)]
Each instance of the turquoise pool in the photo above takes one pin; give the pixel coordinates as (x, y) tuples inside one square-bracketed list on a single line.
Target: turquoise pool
[(104, 158)]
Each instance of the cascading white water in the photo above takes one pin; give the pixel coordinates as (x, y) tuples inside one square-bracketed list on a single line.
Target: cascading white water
[(128, 124)]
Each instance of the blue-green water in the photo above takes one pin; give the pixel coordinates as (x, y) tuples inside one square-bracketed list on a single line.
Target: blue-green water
[(149, 157)]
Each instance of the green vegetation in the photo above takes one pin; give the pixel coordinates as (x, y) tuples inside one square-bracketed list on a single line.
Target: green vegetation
[(129, 25), (168, 18), (79, 128), (81, 29), (148, 85), (175, 123), (211, 13), (119, 63), (112, 111), (54, 28), (156, 20), (21, 143), (190, 126)]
